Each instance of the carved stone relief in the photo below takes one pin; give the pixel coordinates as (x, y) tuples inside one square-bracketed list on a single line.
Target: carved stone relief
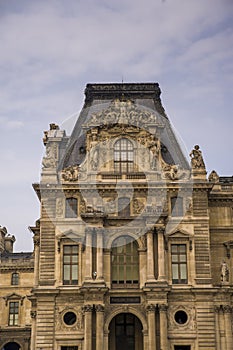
[(50, 158), (191, 318), (122, 112), (60, 324), (60, 208)]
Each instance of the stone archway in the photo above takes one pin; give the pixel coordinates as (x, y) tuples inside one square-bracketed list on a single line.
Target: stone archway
[(125, 332), (11, 346)]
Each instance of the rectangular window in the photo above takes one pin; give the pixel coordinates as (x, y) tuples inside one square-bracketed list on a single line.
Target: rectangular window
[(182, 347), (70, 264), (13, 313), (125, 263), (69, 348), (15, 279), (179, 263), (177, 206), (71, 208)]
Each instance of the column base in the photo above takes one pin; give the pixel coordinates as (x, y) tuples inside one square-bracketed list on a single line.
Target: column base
[(94, 284), (151, 283)]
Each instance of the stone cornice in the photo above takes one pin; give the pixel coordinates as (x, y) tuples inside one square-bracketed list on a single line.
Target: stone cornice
[(16, 268)]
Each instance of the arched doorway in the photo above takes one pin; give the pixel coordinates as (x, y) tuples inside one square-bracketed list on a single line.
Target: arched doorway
[(11, 346), (125, 333)]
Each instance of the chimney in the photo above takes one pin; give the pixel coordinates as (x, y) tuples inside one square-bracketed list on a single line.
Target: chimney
[(9, 242), (3, 232)]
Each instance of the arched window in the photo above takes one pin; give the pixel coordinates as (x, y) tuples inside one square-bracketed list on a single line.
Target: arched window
[(71, 207), (123, 156), (125, 263), (14, 279)]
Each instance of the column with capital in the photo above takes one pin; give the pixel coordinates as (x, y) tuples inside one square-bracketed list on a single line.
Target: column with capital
[(151, 326), (227, 311), (99, 326), (88, 260), (150, 257), (163, 326), (161, 254), (33, 327), (99, 251), (222, 331), (88, 327)]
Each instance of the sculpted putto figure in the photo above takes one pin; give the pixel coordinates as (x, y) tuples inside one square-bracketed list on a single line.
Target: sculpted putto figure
[(196, 158)]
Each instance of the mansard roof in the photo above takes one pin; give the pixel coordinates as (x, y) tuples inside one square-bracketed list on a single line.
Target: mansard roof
[(99, 98)]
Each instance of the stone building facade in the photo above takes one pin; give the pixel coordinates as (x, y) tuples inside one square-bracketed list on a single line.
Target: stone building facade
[(133, 249)]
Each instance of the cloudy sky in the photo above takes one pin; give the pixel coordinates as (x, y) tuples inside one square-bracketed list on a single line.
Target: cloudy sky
[(51, 49)]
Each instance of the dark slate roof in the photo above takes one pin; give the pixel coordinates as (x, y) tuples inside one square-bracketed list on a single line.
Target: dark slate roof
[(226, 179), (99, 98)]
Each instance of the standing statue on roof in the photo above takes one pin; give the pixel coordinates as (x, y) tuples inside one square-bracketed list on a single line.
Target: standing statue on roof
[(196, 158)]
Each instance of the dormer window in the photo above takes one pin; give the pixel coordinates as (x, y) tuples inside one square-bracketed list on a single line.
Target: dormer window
[(123, 156)]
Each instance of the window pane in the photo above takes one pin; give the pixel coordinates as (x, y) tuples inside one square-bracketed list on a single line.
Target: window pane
[(177, 206), (174, 248), (74, 249), (15, 279), (67, 249), (71, 208), (123, 155), (67, 259), (135, 274), (128, 273), (183, 274), (175, 274), (179, 263), (74, 258), (75, 272), (182, 248), (182, 258), (114, 272), (125, 261), (66, 272), (121, 273), (70, 264), (13, 313), (174, 258)]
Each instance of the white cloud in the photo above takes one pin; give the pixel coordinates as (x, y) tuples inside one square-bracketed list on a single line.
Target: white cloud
[(10, 124)]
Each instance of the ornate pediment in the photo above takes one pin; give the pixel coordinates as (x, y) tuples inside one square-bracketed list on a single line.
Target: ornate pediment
[(179, 233), (13, 296)]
